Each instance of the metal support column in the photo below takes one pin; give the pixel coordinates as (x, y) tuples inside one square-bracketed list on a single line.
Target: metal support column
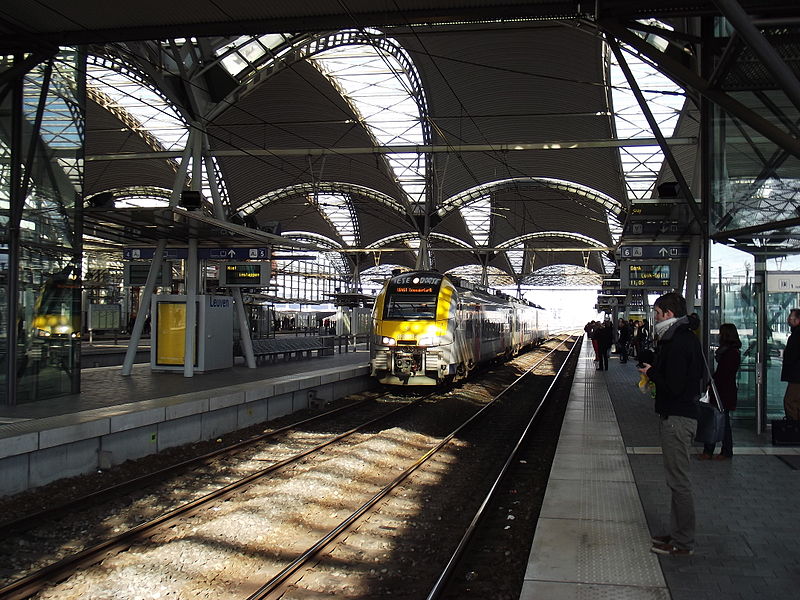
[(155, 268), (760, 288), (192, 271), (219, 213), (17, 202), (144, 308), (706, 171)]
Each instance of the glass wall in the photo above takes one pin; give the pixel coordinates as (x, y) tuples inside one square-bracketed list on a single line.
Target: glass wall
[(754, 182), (733, 300), (48, 320)]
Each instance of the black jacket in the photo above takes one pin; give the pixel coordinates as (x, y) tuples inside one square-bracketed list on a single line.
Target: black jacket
[(678, 371), (790, 371)]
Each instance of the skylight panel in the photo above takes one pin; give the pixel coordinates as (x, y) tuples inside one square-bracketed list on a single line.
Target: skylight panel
[(381, 92), (152, 112), (517, 260), (247, 51), (665, 99), (477, 216), (339, 213)]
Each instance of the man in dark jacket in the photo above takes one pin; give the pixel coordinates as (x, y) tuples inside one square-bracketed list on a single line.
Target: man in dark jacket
[(605, 338), (624, 340), (790, 371), (676, 373)]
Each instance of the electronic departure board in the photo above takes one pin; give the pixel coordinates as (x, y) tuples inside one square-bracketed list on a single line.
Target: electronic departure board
[(647, 275), (136, 273), (246, 274)]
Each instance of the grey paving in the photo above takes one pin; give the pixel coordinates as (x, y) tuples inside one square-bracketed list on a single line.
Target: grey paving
[(105, 386), (591, 539), (747, 509), (607, 495)]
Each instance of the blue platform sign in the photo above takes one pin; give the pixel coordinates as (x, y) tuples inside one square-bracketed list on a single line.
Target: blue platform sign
[(654, 251), (202, 253), (233, 253), (147, 253)]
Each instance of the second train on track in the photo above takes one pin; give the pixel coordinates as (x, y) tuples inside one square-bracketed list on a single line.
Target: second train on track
[(432, 329)]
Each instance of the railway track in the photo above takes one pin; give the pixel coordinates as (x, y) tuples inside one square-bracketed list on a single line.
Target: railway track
[(223, 478), (360, 473)]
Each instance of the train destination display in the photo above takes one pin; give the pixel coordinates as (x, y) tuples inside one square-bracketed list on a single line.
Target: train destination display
[(246, 274), (647, 275)]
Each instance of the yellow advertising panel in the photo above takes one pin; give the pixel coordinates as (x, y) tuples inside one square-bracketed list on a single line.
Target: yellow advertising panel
[(171, 333)]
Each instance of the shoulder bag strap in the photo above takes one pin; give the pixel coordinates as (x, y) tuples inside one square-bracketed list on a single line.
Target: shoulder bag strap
[(717, 399)]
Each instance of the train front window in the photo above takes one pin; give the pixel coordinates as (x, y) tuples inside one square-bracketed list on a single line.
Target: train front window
[(409, 307)]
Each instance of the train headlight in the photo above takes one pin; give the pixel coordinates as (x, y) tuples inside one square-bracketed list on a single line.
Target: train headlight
[(388, 341), (42, 333), (427, 341)]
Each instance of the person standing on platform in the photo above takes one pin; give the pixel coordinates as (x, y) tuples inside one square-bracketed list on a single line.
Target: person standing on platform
[(624, 340), (605, 339), (637, 338), (728, 362), (677, 372), (790, 371), (593, 331)]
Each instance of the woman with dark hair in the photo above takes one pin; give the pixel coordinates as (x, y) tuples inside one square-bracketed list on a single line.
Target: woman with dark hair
[(728, 361)]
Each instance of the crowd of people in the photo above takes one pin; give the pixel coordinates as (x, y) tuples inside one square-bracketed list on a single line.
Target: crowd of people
[(632, 340)]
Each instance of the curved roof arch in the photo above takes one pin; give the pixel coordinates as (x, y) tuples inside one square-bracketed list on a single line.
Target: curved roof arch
[(550, 235), (302, 47), (520, 183), (283, 146), (352, 213), (562, 274), (316, 238), (330, 187), (154, 195), (411, 235)]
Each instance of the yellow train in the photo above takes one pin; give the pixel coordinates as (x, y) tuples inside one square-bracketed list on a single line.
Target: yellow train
[(431, 328), (57, 309)]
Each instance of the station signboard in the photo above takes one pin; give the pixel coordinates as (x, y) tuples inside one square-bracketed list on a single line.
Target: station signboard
[(135, 273), (222, 253), (244, 274), (648, 275), (783, 281), (662, 251)]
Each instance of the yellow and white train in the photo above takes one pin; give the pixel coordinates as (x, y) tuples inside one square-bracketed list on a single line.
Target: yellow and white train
[(431, 328)]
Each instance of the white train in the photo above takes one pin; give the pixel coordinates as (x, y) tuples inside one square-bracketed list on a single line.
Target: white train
[(431, 328)]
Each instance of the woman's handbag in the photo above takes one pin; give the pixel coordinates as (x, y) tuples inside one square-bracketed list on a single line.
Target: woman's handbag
[(710, 419), (710, 423)]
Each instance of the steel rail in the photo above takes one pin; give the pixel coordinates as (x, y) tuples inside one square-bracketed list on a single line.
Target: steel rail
[(441, 582), (36, 519), (280, 578), (27, 586)]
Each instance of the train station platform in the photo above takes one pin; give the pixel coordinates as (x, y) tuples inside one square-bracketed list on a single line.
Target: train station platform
[(117, 418), (607, 495)]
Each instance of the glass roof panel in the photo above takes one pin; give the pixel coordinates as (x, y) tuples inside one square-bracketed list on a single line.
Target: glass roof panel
[(665, 99), (477, 216), (379, 89), (339, 213), (152, 112)]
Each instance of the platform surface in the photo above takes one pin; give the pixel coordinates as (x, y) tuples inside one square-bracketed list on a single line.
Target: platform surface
[(606, 496), (104, 387)]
